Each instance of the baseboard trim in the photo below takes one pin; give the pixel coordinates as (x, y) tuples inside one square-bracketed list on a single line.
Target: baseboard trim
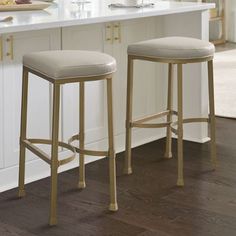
[(195, 140)]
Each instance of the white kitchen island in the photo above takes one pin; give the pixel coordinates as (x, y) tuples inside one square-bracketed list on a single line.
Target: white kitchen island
[(95, 27)]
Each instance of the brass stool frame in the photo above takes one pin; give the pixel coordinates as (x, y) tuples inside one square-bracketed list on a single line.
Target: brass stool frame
[(170, 112), (53, 160)]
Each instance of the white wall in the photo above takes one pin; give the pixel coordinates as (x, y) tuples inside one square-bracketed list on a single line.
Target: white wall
[(231, 20), (230, 16)]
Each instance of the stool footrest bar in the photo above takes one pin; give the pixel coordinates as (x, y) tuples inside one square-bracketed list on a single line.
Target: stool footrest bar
[(84, 151), (30, 144), (187, 121), (195, 120), (37, 151), (152, 117), (160, 125), (73, 138), (91, 152), (140, 123)]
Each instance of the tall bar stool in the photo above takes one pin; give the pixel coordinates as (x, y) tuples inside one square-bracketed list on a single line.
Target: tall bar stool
[(179, 51), (63, 67)]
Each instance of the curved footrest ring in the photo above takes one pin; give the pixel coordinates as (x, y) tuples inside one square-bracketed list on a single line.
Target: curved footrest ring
[(84, 151), (30, 144), (151, 126), (187, 121), (140, 123)]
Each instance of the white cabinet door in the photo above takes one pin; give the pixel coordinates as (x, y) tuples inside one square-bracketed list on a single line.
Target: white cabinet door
[(1, 115), (146, 79), (89, 37), (39, 92), (147, 96)]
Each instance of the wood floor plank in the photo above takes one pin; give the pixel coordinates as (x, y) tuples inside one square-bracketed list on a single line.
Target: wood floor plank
[(9, 230), (150, 204)]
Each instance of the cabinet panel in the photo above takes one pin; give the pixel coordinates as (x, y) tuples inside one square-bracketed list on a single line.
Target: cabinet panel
[(94, 37), (84, 38), (145, 73), (39, 93), (1, 119)]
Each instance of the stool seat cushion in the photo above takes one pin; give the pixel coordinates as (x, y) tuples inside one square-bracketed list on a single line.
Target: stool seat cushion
[(64, 64), (173, 48)]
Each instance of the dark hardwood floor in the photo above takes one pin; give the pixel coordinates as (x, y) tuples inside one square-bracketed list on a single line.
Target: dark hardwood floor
[(149, 201)]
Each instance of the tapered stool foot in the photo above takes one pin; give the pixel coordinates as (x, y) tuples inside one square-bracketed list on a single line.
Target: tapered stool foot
[(214, 165), (81, 185), (113, 207), (180, 183), (53, 221), (128, 171), (21, 193), (168, 155)]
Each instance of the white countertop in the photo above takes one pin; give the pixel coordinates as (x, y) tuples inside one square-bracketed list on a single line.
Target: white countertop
[(64, 13)]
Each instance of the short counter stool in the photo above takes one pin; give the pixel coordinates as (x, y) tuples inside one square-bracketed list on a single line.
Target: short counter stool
[(63, 67), (179, 51)]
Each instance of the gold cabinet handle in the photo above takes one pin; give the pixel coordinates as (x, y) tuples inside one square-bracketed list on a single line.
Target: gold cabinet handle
[(109, 33), (1, 49), (10, 52), (117, 32)]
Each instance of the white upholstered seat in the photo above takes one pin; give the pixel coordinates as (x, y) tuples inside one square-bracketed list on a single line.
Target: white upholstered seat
[(70, 63), (173, 48)]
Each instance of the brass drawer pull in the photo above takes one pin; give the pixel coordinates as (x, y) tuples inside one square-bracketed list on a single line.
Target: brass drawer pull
[(10, 53), (117, 32), (109, 33)]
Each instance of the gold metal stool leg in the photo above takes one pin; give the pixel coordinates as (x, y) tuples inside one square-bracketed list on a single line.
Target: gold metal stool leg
[(212, 113), (112, 156), (168, 153), (23, 130), (180, 181), (81, 184), (54, 154), (129, 105)]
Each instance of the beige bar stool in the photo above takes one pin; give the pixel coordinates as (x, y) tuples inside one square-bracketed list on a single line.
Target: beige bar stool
[(63, 67), (179, 51)]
